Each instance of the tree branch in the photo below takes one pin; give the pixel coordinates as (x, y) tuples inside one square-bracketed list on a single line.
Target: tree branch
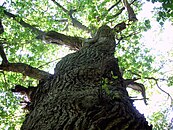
[(65, 10), (52, 36), (104, 15), (26, 70), (75, 22), (114, 5), (132, 15), (78, 24), (21, 22), (119, 27), (3, 55), (1, 27), (130, 11), (130, 83), (156, 81), (74, 43), (48, 63)]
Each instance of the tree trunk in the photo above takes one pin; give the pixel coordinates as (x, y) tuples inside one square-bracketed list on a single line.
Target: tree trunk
[(83, 95)]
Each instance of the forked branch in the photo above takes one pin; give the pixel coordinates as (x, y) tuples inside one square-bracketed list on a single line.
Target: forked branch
[(75, 22)]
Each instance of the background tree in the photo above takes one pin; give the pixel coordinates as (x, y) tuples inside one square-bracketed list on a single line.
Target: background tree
[(26, 29)]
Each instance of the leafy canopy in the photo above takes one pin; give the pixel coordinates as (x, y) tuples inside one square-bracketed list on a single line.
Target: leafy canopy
[(24, 21)]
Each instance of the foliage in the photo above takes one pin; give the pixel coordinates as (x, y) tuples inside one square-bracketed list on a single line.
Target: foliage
[(170, 78), (159, 119), (165, 11), (11, 115), (20, 43)]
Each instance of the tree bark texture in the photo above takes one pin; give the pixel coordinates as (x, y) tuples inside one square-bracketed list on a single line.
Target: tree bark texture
[(82, 95)]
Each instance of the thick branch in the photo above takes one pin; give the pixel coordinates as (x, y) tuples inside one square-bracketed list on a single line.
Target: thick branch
[(21, 22), (26, 70), (52, 36), (130, 11), (132, 16), (78, 24), (119, 27), (139, 87), (74, 43)]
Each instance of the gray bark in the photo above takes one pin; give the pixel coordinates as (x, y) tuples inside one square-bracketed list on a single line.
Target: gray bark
[(75, 98)]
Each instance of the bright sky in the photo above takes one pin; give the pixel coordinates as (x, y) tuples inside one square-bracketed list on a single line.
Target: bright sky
[(1, 2), (155, 38), (160, 40)]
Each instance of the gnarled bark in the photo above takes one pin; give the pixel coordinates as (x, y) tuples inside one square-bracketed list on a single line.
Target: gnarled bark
[(77, 98)]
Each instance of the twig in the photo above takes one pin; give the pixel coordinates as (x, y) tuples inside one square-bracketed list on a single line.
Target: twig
[(156, 81), (75, 22), (48, 63), (134, 73), (114, 5), (117, 14), (140, 98), (131, 34), (104, 15)]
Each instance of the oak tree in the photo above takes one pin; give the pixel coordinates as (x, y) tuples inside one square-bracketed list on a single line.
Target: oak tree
[(87, 89)]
